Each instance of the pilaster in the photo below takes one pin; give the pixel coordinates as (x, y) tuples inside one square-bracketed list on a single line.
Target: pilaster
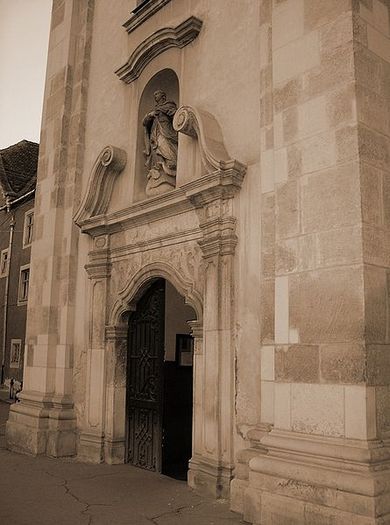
[(211, 467), (115, 430), (44, 421), (91, 443)]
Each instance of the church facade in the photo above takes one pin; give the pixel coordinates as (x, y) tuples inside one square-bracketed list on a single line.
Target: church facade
[(209, 287)]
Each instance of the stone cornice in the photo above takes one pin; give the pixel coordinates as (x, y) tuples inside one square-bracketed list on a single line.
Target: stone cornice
[(168, 239), (98, 270), (139, 213), (142, 13), (324, 450), (193, 194), (108, 165), (157, 43)]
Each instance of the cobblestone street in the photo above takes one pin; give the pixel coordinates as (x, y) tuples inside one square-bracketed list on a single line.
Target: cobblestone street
[(43, 491)]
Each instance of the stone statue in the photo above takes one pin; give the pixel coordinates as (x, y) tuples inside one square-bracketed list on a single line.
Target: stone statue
[(160, 145)]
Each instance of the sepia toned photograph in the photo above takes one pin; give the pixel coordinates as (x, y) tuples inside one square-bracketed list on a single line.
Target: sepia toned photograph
[(195, 262)]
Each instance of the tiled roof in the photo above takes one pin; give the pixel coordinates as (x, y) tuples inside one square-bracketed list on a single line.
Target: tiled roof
[(18, 168)]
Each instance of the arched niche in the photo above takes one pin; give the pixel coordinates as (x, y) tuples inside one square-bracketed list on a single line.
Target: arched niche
[(165, 80)]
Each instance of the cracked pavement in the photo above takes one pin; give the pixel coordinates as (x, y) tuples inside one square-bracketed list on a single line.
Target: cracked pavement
[(44, 491)]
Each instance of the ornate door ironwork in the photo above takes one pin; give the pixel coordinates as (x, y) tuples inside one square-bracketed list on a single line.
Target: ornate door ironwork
[(145, 379)]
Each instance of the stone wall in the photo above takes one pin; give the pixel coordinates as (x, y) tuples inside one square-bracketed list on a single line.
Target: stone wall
[(324, 161), (45, 421)]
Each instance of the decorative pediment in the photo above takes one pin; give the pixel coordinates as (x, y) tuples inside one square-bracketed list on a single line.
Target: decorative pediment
[(143, 12), (222, 179), (156, 44), (107, 167), (205, 128)]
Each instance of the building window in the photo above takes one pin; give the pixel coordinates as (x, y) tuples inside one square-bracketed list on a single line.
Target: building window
[(24, 279), (28, 228), (16, 351), (4, 263)]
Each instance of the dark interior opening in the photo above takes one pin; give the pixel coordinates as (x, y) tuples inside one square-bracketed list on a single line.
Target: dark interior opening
[(177, 412), (159, 385)]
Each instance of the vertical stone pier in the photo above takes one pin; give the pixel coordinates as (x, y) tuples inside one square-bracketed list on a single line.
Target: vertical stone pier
[(44, 421), (326, 219)]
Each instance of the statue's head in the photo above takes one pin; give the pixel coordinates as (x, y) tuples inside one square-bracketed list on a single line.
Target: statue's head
[(160, 96)]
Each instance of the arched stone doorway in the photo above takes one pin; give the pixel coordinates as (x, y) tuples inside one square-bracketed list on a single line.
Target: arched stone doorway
[(159, 382), (188, 237)]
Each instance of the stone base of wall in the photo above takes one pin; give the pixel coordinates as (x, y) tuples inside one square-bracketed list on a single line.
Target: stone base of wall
[(240, 483), (209, 478), (90, 448), (305, 480), (114, 451), (41, 427)]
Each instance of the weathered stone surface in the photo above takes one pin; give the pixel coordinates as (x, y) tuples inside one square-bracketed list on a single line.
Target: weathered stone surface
[(374, 206), (386, 198), (343, 363), (378, 364), (279, 510), (376, 245), (337, 32), (287, 212), (301, 55), (319, 152), (374, 148), (327, 305), (330, 198), (317, 409), (376, 304), (294, 160), (318, 13), (297, 364), (268, 311), (287, 95), (340, 246), (337, 68)]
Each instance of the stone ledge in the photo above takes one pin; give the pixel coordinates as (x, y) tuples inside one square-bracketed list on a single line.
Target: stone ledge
[(346, 479), (157, 43), (143, 12)]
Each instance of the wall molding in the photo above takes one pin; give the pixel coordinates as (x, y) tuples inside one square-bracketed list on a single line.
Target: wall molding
[(157, 43), (142, 13)]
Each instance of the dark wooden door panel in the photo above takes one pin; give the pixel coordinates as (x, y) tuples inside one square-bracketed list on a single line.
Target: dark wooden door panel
[(145, 379)]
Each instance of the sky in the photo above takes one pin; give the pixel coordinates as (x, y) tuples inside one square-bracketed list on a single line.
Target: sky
[(24, 36)]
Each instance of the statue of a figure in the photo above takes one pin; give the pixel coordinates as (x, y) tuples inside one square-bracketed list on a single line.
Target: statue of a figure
[(160, 145)]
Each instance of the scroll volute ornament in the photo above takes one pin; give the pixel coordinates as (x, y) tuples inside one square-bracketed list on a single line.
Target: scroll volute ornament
[(109, 164), (204, 127)]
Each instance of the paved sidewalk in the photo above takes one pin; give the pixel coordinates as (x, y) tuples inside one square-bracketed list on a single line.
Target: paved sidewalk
[(43, 491), (4, 396)]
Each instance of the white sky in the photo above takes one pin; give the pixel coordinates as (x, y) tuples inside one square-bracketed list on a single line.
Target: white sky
[(24, 35)]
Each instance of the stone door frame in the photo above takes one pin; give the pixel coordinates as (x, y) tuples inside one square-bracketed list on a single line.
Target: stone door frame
[(211, 197)]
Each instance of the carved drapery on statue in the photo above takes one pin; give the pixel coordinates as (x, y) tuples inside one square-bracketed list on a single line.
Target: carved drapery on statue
[(160, 146)]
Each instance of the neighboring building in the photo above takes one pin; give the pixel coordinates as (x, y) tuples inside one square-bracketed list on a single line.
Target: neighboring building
[(18, 171), (216, 287)]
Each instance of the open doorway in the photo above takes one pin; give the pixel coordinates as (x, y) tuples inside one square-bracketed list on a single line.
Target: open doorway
[(159, 382)]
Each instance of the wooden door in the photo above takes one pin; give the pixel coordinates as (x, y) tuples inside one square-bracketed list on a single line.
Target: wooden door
[(145, 379)]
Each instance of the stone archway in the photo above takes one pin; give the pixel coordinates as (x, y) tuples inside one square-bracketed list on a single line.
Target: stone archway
[(116, 351), (147, 241)]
